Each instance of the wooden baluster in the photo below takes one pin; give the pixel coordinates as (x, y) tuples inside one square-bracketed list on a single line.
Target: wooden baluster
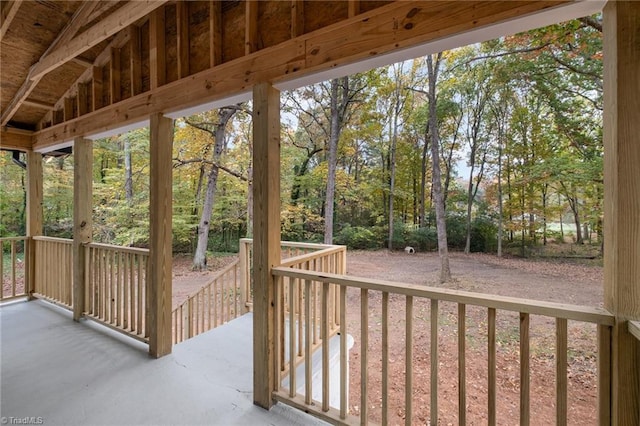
[(141, 295), (364, 337), (434, 361), (308, 364), (561, 371), (385, 357), (292, 340), (524, 369), (300, 313), (408, 361), (277, 333), (604, 374), (13, 267), (215, 303), (325, 346), (344, 355), (462, 383), (2, 269), (491, 352)]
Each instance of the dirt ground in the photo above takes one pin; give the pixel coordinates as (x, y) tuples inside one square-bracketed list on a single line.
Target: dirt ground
[(539, 280)]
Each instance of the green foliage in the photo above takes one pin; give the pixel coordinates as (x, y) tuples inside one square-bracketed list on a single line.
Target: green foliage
[(357, 238)]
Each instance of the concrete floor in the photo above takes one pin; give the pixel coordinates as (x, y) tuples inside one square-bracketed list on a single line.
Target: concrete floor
[(65, 373)]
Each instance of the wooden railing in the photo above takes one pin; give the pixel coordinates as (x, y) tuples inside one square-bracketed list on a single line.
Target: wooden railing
[(53, 270), (229, 293), (288, 249), (116, 288), (426, 299), (217, 302), (12, 267)]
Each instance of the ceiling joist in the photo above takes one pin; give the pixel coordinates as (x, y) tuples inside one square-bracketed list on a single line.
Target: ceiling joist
[(10, 12)]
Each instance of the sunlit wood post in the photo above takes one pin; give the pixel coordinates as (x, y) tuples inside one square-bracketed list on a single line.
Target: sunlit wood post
[(34, 217), (160, 249), (622, 204), (266, 236), (82, 217)]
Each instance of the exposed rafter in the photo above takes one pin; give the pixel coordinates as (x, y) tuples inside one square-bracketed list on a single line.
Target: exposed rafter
[(8, 14), (118, 20), (77, 21)]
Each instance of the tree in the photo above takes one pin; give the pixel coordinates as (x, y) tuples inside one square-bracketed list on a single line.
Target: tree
[(433, 67), (217, 130)]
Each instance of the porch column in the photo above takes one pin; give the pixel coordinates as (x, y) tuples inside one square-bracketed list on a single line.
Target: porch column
[(266, 236), (160, 250), (34, 216), (622, 201), (82, 217)]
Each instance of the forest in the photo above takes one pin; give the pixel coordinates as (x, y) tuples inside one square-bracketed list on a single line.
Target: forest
[(506, 135)]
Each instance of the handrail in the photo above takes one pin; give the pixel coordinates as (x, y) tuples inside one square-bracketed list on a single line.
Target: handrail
[(294, 281), (52, 239), (311, 256), (534, 307), (122, 249)]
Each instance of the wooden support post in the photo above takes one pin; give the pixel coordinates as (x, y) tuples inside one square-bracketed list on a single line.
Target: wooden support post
[(160, 250), (266, 237), (82, 218), (34, 216), (622, 202)]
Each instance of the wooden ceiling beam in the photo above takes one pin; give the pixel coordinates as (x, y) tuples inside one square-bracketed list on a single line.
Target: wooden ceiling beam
[(10, 11), (105, 28), (396, 26), (15, 139), (38, 104)]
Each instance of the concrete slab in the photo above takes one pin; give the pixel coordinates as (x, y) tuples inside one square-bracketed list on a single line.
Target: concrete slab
[(59, 372)]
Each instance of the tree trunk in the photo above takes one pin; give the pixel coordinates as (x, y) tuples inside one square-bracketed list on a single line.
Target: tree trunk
[(200, 255), (128, 173), (500, 219), (443, 251), (472, 157), (423, 184), (334, 136), (392, 158)]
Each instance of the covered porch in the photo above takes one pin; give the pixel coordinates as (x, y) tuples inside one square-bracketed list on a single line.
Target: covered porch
[(162, 78), (69, 373)]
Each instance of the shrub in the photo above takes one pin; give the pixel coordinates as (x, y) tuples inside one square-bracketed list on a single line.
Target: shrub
[(357, 237)]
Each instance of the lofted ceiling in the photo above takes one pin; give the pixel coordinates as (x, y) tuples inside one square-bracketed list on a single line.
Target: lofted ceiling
[(83, 68)]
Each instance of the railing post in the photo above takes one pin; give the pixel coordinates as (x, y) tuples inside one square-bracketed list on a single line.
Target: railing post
[(82, 218), (266, 240), (245, 279), (160, 248), (621, 118), (34, 217)]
